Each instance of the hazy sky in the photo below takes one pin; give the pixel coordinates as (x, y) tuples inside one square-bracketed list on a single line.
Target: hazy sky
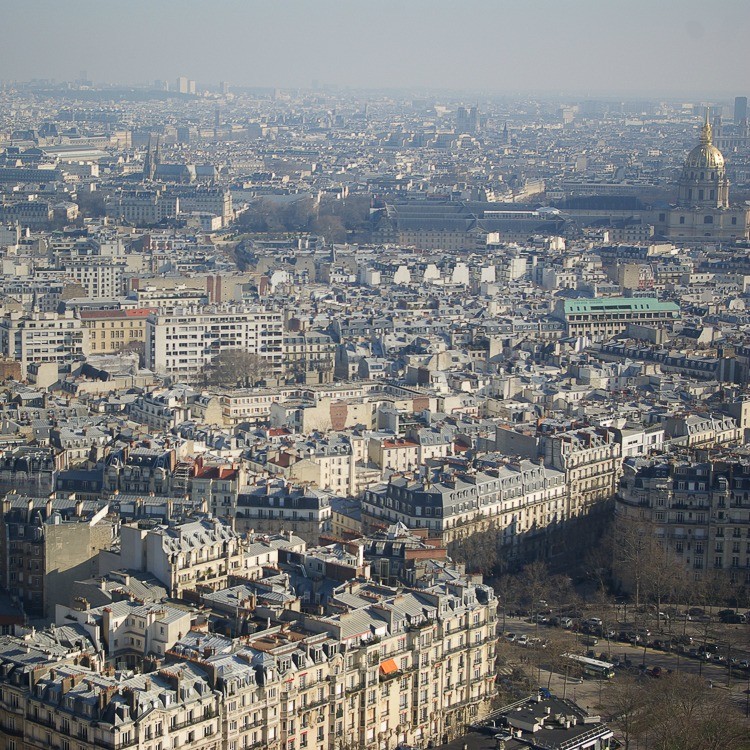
[(596, 46)]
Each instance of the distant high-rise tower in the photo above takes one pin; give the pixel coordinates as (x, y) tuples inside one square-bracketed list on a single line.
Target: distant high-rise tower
[(474, 119), (506, 134), (182, 85), (740, 109)]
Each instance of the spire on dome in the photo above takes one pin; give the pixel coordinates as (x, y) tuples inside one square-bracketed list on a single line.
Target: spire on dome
[(706, 134)]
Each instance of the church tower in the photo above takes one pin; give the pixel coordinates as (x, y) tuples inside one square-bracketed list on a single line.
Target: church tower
[(704, 182)]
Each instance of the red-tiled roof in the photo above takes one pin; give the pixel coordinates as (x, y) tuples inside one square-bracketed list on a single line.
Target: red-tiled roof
[(216, 472), (140, 312)]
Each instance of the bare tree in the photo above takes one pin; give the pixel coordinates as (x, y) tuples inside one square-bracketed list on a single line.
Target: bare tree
[(478, 551), (625, 703), (506, 588), (235, 367), (684, 712)]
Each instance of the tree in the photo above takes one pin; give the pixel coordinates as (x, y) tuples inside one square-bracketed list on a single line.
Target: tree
[(331, 227), (235, 367), (478, 551), (663, 573), (625, 703), (678, 711), (598, 561), (643, 562), (506, 589), (684, 712), (534, 584)]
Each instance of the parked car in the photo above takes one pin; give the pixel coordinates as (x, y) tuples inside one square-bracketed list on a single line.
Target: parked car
[(731, 617), (708, 648)]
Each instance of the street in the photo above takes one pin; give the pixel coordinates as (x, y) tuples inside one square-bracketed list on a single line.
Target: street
[(587, 692)]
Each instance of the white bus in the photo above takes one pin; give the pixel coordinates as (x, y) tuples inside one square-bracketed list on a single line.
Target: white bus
[(602, 670)]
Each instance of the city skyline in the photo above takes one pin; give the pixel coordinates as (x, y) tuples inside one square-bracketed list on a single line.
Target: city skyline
[(574, 47)]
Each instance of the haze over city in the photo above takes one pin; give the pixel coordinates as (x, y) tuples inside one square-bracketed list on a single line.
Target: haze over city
[(582, 46), (374, 376)]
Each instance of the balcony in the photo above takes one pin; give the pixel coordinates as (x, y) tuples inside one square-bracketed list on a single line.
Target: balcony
[(50, 723), (391, 676), (112, 745), (11, 731)]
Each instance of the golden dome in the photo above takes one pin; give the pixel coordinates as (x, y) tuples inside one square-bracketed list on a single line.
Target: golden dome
[(705, 155)]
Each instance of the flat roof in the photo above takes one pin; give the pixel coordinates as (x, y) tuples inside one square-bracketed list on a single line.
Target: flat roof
[(613, 304)]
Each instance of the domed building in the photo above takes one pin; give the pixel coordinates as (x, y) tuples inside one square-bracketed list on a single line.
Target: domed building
[(702, 213)]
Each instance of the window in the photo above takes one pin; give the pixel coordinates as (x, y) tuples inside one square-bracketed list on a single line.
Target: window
[(708, 219)]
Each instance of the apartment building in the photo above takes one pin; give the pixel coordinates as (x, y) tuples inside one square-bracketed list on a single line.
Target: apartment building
[(72, 706), (272, 506), (326, 462), (165, 300), (45, 546), (395, 668), (101, 278), (309, 357), (601, 319), (183, 342), (142, 470), (515, 499), (217, 486), (251, 405), (697, 512), (590, 457), (142, 207), (393, 454), (182, 556), (162, 410), (108, 331), (41, 337), (205, 200), (34, 214), (129, 630)]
